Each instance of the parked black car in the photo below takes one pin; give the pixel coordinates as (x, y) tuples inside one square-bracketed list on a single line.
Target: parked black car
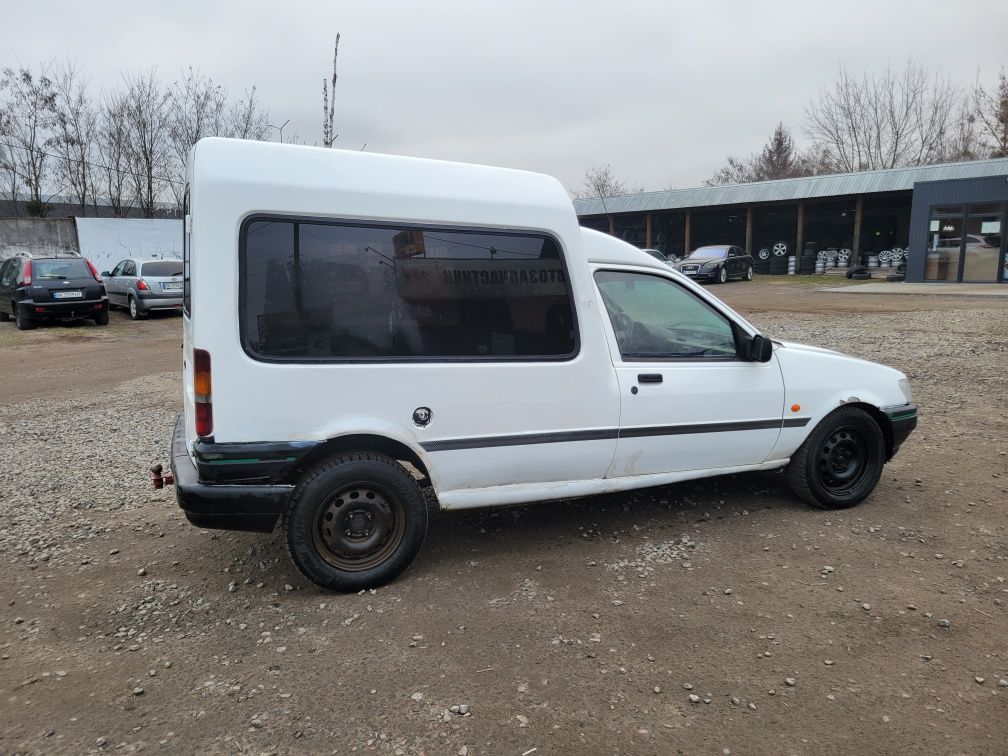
[(34, 289), (717, 263)]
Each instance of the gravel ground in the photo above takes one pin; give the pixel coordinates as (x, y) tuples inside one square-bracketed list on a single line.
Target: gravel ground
[(706, 617)]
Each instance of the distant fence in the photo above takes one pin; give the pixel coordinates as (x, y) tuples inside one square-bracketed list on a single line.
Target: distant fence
[(104, 241)]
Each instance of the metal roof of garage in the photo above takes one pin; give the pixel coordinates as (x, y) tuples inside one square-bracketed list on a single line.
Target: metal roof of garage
[(810, 187)]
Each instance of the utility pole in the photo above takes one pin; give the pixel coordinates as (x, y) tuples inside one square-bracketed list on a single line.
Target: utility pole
[(280, 128)]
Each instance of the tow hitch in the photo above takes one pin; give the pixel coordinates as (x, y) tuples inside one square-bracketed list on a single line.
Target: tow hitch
[(159, 478)]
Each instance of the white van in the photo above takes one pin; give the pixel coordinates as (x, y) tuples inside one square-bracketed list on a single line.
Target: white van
[(360, 327)]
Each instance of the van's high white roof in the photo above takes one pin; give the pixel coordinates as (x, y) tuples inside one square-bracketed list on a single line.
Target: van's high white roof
[(315, 181)]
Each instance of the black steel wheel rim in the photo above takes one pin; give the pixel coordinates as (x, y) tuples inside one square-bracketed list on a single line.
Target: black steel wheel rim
[(359, 526), (843, 461)]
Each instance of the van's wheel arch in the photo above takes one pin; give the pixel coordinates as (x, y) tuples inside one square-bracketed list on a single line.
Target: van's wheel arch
[(840, 462), (355, 520)]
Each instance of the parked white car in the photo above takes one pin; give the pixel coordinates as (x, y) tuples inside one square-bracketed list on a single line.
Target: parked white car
[(358, 327)]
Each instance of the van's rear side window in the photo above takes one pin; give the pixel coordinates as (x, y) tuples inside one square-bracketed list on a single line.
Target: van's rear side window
[(339, 291)]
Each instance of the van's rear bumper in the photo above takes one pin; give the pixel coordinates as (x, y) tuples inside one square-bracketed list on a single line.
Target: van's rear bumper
[(220, 505)]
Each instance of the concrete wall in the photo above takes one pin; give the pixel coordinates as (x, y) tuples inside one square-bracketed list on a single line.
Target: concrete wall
[(38, 236)]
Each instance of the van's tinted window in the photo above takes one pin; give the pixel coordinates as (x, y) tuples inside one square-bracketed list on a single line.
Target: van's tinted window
[(318, 291), (161, 268)]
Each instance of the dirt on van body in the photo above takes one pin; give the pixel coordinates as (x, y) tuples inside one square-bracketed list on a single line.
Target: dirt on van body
[(710, 617)]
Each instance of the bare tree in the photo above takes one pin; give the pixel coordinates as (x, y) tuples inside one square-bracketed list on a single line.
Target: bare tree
[(991, 109), (113, 152), (601, 181), (245, 119), (149, 145), (8, 168), (884, 121), (197, 110), (76, 125), (779, 159), (329, 102), (28, 132)]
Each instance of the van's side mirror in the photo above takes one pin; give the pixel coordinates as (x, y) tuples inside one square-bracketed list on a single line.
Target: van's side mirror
[(760, 349)]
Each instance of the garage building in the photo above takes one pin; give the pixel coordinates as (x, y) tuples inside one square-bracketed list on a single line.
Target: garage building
[(947, 220)]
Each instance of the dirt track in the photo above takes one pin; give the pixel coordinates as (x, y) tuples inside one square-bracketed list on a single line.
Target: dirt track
[(568, 627)]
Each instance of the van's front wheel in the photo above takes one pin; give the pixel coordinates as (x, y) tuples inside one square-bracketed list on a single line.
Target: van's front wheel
[(840, 462), (355, 521)]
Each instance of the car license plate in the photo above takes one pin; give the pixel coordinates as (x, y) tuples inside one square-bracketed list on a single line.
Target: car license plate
[(171, 286), (68, 295)]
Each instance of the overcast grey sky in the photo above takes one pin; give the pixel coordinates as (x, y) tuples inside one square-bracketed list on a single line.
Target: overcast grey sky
[(664, 90)]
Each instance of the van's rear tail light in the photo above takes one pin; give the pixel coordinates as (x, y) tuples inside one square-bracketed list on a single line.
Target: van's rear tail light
[(202, 390), (94, 270), (26, 275), (142, 285)]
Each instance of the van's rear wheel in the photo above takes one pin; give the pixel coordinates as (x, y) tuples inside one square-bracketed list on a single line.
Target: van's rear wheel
[(355, 521), (840, 462)]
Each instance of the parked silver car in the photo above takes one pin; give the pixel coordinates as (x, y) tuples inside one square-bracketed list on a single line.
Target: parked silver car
[(144, 285)]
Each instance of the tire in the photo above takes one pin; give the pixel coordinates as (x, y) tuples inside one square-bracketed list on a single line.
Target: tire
[(134, 309), (778, 266), (894, 277), (22, 322), (855, 269), (861, 275), (4, 317), (355, 490), (749, 273), (841, 461), (102, 318), (722, 275)]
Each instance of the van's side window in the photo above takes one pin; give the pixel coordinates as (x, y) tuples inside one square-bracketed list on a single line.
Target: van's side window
[(335, 291), (655, 318)]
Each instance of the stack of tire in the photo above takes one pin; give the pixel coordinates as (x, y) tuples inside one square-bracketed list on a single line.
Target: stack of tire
[(807, 261), (778, 259), (858, 273), (899, 274), (762, 261)]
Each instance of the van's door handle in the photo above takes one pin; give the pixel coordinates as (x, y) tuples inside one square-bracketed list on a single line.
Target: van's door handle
[(649, 377)]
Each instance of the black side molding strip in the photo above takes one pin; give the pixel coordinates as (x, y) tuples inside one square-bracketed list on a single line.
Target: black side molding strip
[(486, 442), (596, 434), (796, 422)]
